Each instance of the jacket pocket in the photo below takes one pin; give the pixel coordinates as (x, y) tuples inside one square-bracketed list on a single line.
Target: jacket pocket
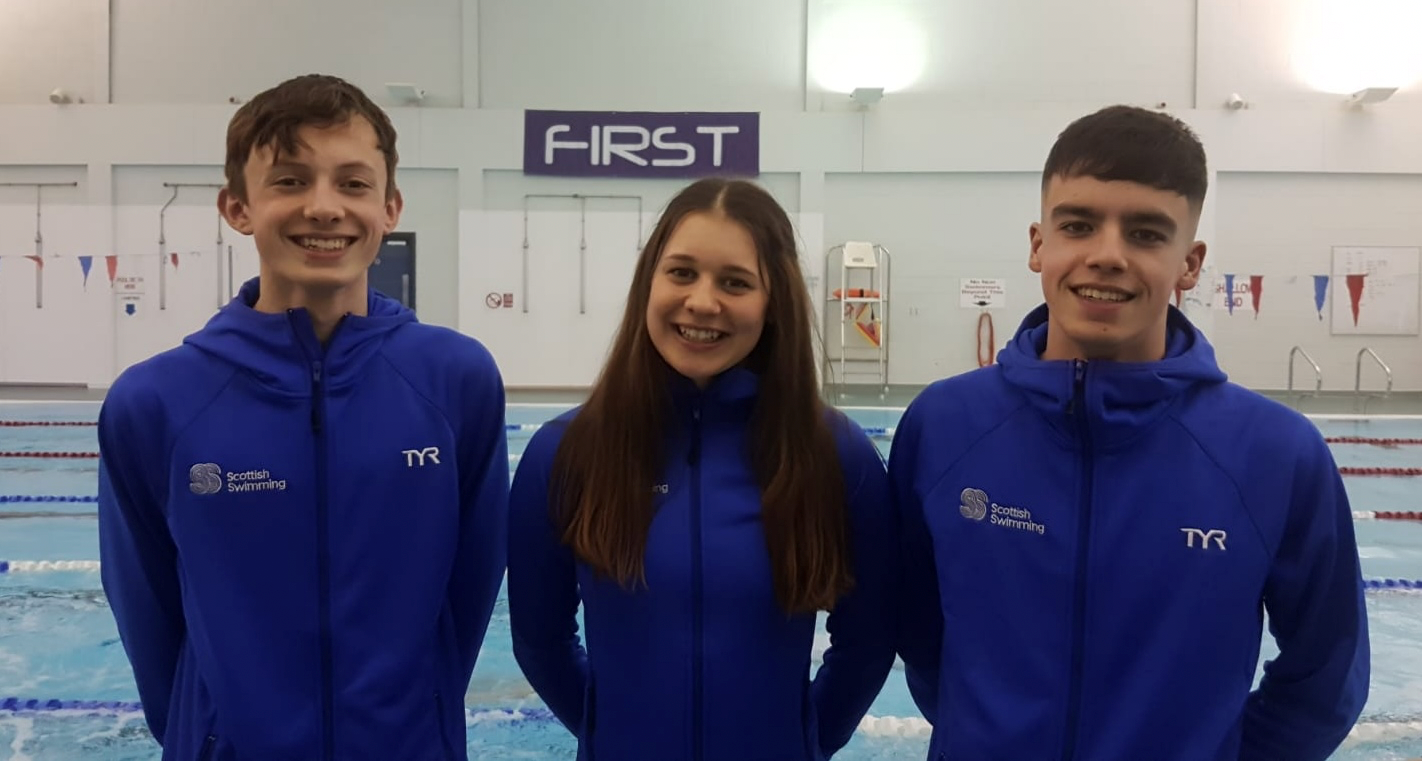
[(444, 729), (209, 745)]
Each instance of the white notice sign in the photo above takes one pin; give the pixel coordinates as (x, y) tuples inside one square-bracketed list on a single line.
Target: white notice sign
[(977, 292)]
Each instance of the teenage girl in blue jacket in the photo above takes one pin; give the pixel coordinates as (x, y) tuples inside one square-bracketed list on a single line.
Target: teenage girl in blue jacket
[(702, 507)]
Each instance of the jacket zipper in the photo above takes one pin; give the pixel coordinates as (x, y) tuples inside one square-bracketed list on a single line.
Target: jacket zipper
[(694, 460), (323, 563), (316, 353), (1077, 408)]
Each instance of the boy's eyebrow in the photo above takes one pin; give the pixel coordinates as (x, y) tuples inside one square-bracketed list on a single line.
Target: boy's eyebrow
[(296, 164), (1074, 210), (1148, 217)]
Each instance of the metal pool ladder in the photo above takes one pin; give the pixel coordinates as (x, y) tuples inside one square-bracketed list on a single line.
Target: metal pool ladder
[(1318, 375), (1362, 399)]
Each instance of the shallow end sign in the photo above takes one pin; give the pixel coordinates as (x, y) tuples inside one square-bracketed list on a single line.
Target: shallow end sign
[(641, 144)]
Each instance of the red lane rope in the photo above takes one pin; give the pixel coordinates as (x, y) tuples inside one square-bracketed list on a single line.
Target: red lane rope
[(1378, 442)]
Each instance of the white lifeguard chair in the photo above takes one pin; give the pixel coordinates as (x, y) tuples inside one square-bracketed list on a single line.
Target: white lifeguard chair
[(856, 339)]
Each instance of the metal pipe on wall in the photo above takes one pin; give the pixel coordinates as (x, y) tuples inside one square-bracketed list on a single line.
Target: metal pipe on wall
[(39, 235), (217, 265), (163, 242)]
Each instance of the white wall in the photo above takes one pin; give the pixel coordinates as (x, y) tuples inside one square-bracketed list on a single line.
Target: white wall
[(570, 283), (732, 55), (942, 172), (1282, 227), (181, 51), (938, 228)]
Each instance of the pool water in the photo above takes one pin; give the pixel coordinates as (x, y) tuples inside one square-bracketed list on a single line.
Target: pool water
[(58, 641)]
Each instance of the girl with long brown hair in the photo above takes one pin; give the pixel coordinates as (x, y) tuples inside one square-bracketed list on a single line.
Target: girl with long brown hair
[(702, 507)]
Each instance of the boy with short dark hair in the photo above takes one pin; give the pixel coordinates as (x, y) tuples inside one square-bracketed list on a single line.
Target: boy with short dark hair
[(1095, 527)]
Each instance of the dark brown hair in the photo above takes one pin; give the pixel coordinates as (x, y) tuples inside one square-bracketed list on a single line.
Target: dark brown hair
[(274, 116), (1132, 144), (614, 447)]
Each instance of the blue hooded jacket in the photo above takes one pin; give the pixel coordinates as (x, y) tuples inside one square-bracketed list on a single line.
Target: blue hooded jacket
[(302, 545), (1089, 547), (702, 663)]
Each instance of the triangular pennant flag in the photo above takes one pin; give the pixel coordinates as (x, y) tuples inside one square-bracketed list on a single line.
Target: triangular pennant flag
[(1356, 293), (112, 262), (86, 263), (1230, 294), (1255, 284), (1321, 287), (174, 257), (39, 262)]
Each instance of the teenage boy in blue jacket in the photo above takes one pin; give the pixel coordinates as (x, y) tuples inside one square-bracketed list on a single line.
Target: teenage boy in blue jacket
[(302, 508), (1096, 527)]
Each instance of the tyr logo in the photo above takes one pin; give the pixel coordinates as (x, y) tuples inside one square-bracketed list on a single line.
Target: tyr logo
[(414, 457), (1210, 535)]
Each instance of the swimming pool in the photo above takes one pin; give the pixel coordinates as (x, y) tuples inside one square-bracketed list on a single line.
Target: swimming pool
[(66, 691)]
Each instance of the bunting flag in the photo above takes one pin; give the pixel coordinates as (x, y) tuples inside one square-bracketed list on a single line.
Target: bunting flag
[(1356, 292), (1230, 294), (1321, 288), (112, 262), (39, 262), (174, 258), (86, 263), (1255, 283)]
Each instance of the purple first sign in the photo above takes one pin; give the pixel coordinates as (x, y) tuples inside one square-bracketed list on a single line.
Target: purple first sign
[(641, 144)]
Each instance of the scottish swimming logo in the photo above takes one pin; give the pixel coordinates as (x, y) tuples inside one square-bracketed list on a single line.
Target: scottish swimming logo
[(208, 478), (205, 478), (975, 506), (973, 503)]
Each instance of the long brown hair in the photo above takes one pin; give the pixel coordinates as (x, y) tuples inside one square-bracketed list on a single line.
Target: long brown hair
[(613, 448)]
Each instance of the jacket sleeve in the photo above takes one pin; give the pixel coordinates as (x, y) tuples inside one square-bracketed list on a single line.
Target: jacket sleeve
[(543, 589), (1311, 695), (861, 627), (138, 560), (921, 622), (484, 510)]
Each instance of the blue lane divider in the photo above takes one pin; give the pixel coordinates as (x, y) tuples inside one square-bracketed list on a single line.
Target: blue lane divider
[(13, 705), (34, 705), (1393, 584), (15, 498)]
